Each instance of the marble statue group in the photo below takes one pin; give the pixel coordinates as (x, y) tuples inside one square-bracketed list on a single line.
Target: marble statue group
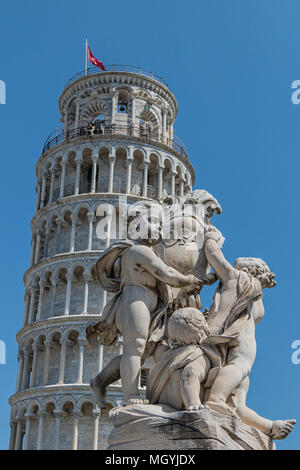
[(201, 358)]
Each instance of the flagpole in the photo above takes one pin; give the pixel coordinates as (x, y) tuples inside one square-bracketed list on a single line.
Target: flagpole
[(86, 57)]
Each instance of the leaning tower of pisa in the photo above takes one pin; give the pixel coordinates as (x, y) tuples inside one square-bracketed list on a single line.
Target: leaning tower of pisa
[(116, 141)]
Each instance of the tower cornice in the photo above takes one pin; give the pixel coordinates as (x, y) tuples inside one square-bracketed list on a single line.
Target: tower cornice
[(72, 199), (56, 321), (63, 257)]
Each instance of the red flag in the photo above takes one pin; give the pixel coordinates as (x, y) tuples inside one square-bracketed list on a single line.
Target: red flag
[(95, 61)]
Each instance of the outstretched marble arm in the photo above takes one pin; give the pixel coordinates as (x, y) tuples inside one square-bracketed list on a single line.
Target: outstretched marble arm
[(148, 260), (225, 272), (216, 259)]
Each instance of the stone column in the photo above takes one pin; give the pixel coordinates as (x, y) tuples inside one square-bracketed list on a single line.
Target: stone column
[(57, 237), (62, 178), (128, 176), (43, 191), (100, 355), (31, 306), (62, 363), (107, 243), (171, 134), (111, 174), (109, 215), (46, 244), (81, 342), (52, 171), (74, 218), (36, 348), (173, 175), (13, 432), (181, 190), (113, 108), (40, 304), (57, 415), (99, 189), (145, 179), (37, 247), (26, 308), (75, 430), (77, 176), (47, 362), (20, 370), (38, 196), (33, 244), (160, 183), (164, 125), (96, 415), (24, 384), (133, 111), (53, 293), (18, 441), (94, 173), (28, 417), (40, 431), (77, 114), (90, 233), (86, 278), (68, 294)]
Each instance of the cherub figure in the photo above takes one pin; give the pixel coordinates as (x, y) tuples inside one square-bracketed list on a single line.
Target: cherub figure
[(139, 307), (177, 378), (236, 310), (185, 371)]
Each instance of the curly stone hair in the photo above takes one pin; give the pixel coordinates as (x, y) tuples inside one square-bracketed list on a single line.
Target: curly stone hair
[(187, 326), (257, 268)]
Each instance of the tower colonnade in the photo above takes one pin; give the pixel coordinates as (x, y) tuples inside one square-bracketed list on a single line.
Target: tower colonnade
[(40, 422), (105, 162), (110, 168)]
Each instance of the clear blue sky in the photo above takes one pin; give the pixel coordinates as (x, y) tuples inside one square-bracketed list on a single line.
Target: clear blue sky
[(230, 64)]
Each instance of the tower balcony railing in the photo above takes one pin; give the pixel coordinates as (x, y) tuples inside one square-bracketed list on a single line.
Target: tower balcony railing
[(117, 68), (93, 130)]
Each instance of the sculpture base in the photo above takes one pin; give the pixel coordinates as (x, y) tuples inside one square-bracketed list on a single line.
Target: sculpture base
[(160, 427)]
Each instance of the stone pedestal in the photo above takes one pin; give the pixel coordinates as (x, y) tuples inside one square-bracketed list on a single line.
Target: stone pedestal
[(160, 427)]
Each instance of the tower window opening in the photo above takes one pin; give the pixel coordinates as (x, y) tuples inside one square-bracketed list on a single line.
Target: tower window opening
[(123, 102), (122, 106)]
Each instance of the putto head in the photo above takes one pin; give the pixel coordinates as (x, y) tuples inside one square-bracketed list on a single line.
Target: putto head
[(258, 269), (187, 326), (145, 222)]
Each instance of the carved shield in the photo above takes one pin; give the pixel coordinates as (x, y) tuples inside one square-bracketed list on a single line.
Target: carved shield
[(182, 245)]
